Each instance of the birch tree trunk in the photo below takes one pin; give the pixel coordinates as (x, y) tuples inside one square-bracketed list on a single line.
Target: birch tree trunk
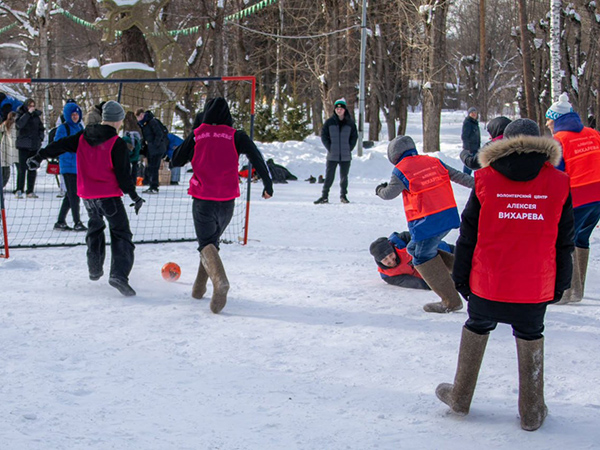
[(555, 57)]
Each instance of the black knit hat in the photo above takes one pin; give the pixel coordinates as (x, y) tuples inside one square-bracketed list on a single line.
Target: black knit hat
[(521, 127), (380, 248)]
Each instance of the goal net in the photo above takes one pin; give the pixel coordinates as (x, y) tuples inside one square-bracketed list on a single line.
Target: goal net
[(166, 216)]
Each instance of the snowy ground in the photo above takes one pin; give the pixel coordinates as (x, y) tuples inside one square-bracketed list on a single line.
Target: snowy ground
[(313, 350)]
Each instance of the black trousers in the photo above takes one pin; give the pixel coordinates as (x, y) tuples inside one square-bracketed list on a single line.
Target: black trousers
[(22, 170), (526, 319), (210, 220), (134, 172), (153, 167), (121, 245), (71, 200), (330, 176), (5, 175)]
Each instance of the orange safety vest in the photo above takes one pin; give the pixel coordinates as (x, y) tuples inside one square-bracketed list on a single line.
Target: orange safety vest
[(581, 152), (429, 190), (515, 256)]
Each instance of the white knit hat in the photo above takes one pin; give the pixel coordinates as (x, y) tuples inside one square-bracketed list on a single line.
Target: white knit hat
[(561, 107)]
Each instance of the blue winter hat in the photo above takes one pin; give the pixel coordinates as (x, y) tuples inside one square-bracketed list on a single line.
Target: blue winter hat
[(559, 108)]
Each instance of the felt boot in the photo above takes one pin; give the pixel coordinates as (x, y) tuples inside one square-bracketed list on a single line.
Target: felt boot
[(215, 270), (199, 288), (532, 407), (575, 293), (448, 259), (458, 396), (436, 275)]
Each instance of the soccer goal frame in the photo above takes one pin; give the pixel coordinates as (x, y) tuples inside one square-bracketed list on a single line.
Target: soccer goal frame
[(14, 218)]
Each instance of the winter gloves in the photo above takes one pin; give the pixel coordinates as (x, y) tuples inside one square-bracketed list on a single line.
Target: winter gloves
[(138, 202)]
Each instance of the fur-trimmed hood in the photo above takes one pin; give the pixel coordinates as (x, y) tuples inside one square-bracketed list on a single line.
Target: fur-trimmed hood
[(522, 157)]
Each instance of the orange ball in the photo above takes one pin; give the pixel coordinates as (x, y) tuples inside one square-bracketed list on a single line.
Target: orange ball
[(171, 271)]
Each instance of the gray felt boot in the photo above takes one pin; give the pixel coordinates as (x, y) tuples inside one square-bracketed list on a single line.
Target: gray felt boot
[(199, 288), (436, 275), (532, 407), (214, 267), (458, 396)]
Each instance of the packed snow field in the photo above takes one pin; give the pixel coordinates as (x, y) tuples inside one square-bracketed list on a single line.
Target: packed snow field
[(313, 350)]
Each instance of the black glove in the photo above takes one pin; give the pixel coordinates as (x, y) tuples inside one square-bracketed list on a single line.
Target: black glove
[(380, 187), (557, 296), (464, 290), (137, 203), (268, 191), (33, 163)]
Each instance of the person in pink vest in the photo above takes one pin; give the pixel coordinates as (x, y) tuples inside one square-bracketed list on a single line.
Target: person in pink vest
[(512, 259), (213, 149), (104, 174)]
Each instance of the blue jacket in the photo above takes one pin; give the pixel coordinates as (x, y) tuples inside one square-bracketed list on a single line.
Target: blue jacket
[(174, 142), (68, 160)]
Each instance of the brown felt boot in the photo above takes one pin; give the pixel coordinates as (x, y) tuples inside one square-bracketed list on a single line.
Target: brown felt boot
[(214, 268), (581, 257), (458, 396), (532, 407), (199, 288), (575, 293), (436, 275), (448, 259)]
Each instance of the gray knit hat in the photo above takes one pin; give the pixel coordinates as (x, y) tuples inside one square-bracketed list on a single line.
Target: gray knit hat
[(472, 109), (398, 146), (526, 127), (112, 112), (380, 248)]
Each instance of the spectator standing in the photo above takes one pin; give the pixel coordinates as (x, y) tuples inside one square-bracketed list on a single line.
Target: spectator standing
[(132, 135), (339, 136), (94, 115), (104, 175), (431, 213), (470, 136), (512, 260), (157, 141), (213, 149), (395, 265), (581, 161), (174, 142), (495, 128), (68, 169), (10, 154), (30, 135)]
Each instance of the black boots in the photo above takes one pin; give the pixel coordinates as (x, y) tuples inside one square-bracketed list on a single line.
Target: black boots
[(321, 201)]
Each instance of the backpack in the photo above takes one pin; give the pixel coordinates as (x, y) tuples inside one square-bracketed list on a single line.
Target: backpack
[(52, 132)]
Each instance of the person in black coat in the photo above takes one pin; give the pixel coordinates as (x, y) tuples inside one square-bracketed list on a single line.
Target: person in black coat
[(30, 134), (339, 136), (157, 142), (512, 259), (495, 128), (470, 136)]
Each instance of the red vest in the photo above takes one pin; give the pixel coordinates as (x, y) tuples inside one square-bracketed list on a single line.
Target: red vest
[(429, 189), (581, 152), (403, 268), (96, 176), (515, 256), (215, 164)]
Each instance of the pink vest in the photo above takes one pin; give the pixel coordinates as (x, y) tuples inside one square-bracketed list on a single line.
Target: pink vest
[(96, 176), (215, 164)]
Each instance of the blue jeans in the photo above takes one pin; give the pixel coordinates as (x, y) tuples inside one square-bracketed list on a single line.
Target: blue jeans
[(425, 250), (586, 219)]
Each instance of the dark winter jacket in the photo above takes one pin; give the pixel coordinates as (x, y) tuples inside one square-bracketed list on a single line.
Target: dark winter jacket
[(339, 137), (30, 129), (495, 128), (471, 136), (216, 112), (519, 159), (154, 135), (96, 135)]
